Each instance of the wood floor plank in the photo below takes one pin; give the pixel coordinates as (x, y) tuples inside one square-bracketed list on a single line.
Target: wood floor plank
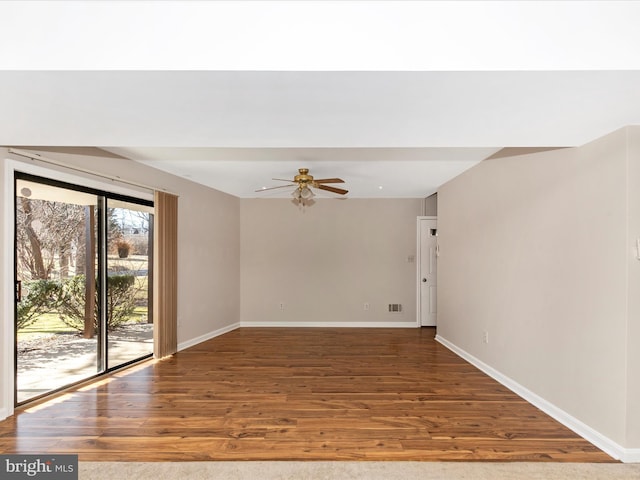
[(298, 394)]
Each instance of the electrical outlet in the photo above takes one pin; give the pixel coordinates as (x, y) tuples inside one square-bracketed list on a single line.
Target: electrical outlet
[(485, 337), (366, 306), (281, 306)]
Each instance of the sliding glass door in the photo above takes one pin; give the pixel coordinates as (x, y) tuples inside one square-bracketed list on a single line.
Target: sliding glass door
[(129, 267), (82, 276), (56, 342)]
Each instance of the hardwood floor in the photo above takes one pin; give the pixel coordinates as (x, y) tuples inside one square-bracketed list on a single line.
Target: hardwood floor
[(297, 394)]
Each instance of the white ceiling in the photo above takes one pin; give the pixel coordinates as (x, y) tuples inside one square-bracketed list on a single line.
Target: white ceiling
[(439, 105)]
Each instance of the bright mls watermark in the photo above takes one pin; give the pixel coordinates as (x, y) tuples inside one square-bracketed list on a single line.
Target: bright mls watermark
[(51, 467)]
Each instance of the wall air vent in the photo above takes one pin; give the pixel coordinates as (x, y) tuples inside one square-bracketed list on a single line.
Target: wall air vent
[(395, 307)]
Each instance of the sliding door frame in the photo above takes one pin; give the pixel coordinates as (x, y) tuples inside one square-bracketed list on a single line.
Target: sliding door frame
[(57, 177)]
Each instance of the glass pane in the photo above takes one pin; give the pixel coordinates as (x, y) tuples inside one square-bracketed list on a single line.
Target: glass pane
[(56, 260), (129, 315)]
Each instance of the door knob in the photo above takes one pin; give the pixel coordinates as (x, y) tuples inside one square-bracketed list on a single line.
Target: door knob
[(424, 279)]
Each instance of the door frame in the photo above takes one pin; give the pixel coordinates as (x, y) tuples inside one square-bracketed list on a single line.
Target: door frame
[(7, 322), (418, 263)]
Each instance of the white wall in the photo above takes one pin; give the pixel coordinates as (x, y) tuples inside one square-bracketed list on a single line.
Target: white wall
[(208, 245), (536, 250), (326, 261)]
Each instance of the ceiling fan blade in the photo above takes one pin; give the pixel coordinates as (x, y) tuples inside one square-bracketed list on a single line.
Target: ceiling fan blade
[(333, 189), (272, 188), (283, 180), (330, 180)]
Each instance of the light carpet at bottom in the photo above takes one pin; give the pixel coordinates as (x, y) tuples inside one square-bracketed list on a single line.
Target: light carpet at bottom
[(356, 470)]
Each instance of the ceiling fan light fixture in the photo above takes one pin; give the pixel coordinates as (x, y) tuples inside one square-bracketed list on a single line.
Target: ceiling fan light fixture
[(306, 193)]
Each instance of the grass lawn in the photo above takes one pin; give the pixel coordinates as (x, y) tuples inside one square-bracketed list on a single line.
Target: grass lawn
[(49, 323), (45, 324)]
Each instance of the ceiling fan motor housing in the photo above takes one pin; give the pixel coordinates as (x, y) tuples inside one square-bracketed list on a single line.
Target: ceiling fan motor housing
[(303, 178)]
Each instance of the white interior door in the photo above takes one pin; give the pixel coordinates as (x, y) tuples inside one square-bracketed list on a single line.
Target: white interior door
[(428, 270)]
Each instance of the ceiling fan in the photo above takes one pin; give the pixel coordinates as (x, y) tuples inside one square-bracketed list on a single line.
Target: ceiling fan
[(304, 181)]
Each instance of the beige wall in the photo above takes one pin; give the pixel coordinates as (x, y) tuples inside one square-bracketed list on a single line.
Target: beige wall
[(208, 237), (6, 366), (535, 250), (633, 338), (430, 206), (326, 261)]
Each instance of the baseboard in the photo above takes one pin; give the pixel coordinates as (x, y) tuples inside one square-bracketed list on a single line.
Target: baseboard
[(331, 324), (605, 444), (631, 455), (207, 336), (3, 413)]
